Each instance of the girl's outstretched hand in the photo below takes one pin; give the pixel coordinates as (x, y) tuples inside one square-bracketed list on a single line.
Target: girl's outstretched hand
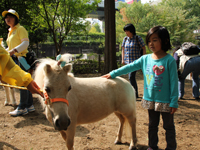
[(173, 110), (107, 76), (34, 88)]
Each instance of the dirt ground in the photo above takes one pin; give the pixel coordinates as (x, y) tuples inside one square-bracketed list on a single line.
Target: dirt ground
[(34, 132)]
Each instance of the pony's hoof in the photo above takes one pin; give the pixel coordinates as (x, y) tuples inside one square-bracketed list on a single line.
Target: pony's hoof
[(132, 148), (6, 104), (118, 142), (14, 105)]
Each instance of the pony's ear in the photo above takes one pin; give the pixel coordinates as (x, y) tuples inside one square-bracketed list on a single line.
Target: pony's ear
[(67, 68), (47, 69)]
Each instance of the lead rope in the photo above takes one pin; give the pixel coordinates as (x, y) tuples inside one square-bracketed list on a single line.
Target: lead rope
[(16, 87), (47, 99)]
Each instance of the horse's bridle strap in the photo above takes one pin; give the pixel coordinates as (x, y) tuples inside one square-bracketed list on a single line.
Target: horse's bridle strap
[(54, 99), (58, 100)]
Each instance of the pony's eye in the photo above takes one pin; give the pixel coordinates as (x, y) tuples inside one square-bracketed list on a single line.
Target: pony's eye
[(47, 89), (69, 88)]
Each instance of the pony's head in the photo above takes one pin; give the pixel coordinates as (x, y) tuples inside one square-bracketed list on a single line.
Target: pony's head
[(55, 84)]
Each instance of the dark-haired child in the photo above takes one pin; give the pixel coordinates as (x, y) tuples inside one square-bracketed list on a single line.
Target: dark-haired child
[(160, 85)]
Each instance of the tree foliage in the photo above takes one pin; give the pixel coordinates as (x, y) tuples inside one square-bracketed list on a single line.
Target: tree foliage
[(95, 28), (36, 35), (142, 16), (180, 17), (62, 17), (21, 8), (58, 18)]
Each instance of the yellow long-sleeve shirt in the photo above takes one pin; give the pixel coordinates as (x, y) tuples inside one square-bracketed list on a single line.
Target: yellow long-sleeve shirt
[(16, 36), (10, 72)]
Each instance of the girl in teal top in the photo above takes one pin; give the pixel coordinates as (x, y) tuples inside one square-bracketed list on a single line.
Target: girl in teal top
[(160, 85)]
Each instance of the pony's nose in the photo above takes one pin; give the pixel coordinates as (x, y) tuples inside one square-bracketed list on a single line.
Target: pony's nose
[(62, 124)]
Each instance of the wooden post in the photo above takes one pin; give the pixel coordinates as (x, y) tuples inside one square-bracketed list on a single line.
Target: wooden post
[(110, 36)]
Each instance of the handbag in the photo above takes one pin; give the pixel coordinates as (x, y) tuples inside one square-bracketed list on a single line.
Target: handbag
[(31, 59)]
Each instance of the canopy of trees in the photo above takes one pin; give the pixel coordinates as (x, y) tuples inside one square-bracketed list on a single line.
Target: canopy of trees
[(58, 18), (180, 17)]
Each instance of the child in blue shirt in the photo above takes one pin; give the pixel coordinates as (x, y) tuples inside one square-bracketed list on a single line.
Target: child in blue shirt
[(160, 85)]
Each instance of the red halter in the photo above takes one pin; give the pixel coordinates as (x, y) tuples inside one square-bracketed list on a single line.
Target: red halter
[(54, 99)]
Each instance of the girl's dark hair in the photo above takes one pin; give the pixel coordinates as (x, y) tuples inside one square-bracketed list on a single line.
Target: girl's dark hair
[(16, 19), (130, 27), (163, 34)]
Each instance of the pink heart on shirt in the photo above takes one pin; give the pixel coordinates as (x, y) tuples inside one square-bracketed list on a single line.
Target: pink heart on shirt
[(158, 70)]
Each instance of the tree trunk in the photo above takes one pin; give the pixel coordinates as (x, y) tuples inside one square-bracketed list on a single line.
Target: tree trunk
[(110, 36)]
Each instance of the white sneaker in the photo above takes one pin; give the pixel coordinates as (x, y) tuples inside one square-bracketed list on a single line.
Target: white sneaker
[(31, 108), (18, 112)]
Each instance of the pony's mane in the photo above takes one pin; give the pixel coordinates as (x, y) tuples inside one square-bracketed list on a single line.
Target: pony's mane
[(51, 62), (38, 74), (70, 74)]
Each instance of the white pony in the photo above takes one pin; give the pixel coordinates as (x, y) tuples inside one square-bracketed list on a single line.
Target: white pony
[(72, 101), (10, 92)]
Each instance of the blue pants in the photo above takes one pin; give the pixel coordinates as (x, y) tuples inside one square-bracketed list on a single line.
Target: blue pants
[(192, 65), (26, 99), (133, 81), (168, 125)]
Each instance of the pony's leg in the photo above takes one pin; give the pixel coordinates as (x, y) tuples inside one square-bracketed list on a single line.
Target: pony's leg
[(64, 136), (70, 136), (120, 131), (12, 93), (132, 122), (7, 91)]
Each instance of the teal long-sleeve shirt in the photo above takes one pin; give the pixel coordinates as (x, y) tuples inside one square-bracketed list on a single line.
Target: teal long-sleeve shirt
[(160, 78)]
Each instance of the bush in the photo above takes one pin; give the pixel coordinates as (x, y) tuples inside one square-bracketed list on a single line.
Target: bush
[(86, 66)]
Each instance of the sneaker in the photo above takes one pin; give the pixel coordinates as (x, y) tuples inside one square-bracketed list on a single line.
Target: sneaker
[(18, 112), (31, 108)]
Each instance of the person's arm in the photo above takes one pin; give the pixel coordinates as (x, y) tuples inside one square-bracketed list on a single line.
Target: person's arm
[(34, 88), (144, 50), (135, 65), (123, 70), (24, 41), (123, 56), (21, 47), (173, 110), (177, 59), (123, 48), (173, 85), (107, 76), (13, 74)]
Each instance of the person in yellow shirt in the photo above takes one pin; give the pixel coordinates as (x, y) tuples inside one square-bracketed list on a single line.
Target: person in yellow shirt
[(18, 42), (14, 75)]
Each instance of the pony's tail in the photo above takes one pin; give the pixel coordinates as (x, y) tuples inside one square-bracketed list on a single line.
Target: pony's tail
[(128, 129), (132, 125)]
